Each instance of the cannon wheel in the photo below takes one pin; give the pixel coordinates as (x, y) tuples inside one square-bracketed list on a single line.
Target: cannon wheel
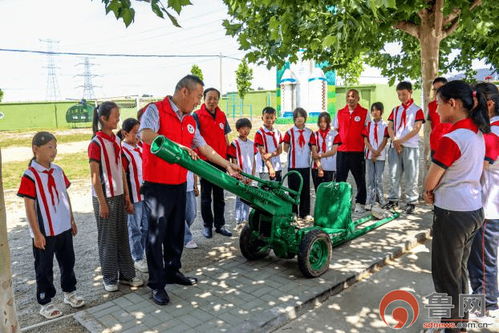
[(251, 247), (314, 255)]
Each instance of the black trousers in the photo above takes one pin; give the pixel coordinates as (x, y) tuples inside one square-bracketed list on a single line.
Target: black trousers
[(328, 177), (62, 246), (165, 206), (294, 183), (453, 233), (354, 162), (215, 217), (482, 264)]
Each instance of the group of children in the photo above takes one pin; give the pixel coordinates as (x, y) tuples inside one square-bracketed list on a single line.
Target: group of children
[(116, 176)]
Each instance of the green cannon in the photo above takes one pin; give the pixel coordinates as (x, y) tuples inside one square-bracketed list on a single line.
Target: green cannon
[(272, 225)]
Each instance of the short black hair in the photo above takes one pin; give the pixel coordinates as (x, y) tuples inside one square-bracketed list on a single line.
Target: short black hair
[(243, 122), (404, 85), (211, 89), (299, 112), (378, 106), (268, 110), (189, 81), (440, 79)]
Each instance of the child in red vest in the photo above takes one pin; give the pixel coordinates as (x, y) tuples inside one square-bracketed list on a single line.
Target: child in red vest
[(324, 151), (437, 127), (297, 143), (131, 155), (52, 225), (110, 199)]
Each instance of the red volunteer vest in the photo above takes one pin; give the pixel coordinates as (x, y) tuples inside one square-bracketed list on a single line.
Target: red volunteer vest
[(438, 129), (350, 129), (156, 170), (213, 130)]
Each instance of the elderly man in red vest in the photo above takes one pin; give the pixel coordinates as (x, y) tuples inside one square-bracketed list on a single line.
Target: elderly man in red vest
[(164, 185), (214, 127)]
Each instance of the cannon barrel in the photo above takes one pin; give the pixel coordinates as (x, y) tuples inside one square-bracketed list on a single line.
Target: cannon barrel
[(271, 199)]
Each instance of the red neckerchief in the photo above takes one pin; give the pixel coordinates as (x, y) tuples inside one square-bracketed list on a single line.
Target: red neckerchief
[(301, 138), (323, 134), (51, 185), (376, 133), (116, 146), (403, 118), (270, 133)]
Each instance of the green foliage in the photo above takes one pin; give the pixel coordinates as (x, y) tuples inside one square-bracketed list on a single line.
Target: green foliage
[(123, 9), (351, 73), (196, 70), (1, 95), (340, 31), (244, 75)]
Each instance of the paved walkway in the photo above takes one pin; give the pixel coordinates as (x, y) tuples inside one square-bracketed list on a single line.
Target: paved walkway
[(239, 296)]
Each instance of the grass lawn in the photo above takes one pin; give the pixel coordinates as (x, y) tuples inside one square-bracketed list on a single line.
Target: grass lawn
[(25, 140), (75, 167)]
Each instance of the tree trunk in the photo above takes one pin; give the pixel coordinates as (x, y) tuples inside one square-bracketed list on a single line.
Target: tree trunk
[(430, 51), (8, 318)]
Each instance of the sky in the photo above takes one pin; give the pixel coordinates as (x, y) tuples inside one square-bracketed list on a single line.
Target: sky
[(83, 26)]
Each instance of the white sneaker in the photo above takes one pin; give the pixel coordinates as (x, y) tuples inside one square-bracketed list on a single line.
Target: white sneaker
[(141, 266), (368, 207), (191, 245), (135, 282), (110, 287), (309, 218), (359, 208)]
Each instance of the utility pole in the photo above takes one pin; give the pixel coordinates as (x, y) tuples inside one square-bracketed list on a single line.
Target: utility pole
[(220, 71), (52, 85), (88, 86)]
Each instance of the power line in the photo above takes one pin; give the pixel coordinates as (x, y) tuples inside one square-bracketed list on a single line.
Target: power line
[(85, 54)]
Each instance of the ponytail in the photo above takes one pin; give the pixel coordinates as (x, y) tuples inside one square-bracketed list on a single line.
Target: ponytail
[(102, 110), (474, 103), (480, 113), (127, 125)]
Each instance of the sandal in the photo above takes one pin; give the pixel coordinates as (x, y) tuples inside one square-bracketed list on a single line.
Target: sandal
[(49, 311), (73, 300)]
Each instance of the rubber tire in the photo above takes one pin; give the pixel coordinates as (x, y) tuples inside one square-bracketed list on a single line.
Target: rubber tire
[(249, 250), (304, 253)]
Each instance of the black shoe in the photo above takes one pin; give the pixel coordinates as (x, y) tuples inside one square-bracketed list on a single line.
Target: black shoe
[(207, 232), (409, 209), (224, 232), (390, 205), (179, 278), (160, 297)]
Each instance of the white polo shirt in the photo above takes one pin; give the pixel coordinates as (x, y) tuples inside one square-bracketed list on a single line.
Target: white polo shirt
[(325, 142), (132, 163), (490, 176), (375, 132), (270, 139), (244, 153), (460, 152), (404, 117), (299, 141), (48, 188)]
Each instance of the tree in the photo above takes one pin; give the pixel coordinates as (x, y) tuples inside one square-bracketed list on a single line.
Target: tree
[(123, 9), (8, 318), (1, 95), (244, 75), (196, 70), (339, 31)]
